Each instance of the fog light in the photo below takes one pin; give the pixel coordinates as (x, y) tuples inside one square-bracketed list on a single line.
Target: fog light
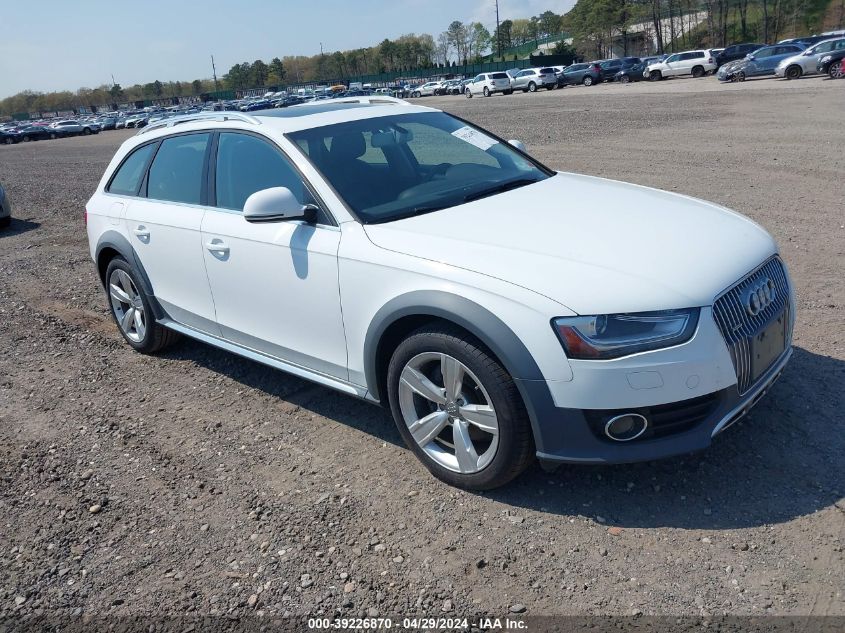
[(625, 427)]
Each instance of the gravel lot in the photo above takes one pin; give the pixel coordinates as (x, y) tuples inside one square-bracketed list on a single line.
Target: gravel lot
[(200, 483)]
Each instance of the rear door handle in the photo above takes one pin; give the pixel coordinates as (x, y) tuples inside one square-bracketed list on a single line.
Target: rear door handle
[(141, 232), (217, 246)]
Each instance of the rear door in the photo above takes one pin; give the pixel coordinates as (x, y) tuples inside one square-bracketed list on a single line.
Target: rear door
[(163, 225)]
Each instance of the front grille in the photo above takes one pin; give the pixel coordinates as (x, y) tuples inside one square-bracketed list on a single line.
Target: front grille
[(663, 420), (739, 326)]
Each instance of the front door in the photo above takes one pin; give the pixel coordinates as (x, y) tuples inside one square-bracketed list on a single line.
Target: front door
[(275, 285)]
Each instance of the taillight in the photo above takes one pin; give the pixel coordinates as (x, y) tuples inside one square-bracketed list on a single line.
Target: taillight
[(710, 60)]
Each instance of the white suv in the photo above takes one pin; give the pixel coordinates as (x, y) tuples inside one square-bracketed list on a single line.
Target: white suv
[(401, 255), (489, 83), (695, 63)]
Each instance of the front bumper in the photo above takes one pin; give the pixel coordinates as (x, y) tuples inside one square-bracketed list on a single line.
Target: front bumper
[(569, 437)]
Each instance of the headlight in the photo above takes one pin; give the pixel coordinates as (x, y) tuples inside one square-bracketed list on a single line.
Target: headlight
[(613, 335), (826, 58)]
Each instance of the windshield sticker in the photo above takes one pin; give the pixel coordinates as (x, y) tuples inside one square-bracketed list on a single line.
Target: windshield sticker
[(474, 137)]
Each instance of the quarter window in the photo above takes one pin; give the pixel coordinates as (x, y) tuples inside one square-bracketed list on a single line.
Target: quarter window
[(177, 170), (246, 164), (127, 180)]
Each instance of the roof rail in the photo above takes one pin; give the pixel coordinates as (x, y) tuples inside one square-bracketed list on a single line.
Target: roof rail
[(199, 116), (368, 99)]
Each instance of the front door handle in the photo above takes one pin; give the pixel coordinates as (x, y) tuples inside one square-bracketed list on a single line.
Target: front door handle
[(217, 246), (141, 232)]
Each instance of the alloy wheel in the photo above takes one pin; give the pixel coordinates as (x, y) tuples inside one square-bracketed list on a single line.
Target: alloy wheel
[(448, 412), (837, 71), (127, 305)]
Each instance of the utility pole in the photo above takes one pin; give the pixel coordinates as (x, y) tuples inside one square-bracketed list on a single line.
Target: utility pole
[(498, 32), (214, 73)]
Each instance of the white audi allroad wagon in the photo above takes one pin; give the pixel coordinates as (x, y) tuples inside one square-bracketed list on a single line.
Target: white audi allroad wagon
[(502, 311)]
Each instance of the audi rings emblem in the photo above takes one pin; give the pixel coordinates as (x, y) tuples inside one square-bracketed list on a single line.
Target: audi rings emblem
[(760, 297)]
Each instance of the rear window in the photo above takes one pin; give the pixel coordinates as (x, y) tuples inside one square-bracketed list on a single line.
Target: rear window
[(499, 76), (128, 178), (546, 71)]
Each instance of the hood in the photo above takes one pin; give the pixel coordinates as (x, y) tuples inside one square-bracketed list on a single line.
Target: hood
[(595, 246)]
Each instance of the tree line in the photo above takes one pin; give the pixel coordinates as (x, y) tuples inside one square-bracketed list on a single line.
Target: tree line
[(601, 26)]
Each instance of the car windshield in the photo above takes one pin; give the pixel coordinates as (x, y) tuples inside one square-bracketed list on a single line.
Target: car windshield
[(400, 166)]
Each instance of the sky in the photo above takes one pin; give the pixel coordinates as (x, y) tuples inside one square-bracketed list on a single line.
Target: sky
[(57, 45)]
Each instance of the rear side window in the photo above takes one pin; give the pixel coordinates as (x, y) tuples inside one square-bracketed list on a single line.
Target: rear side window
[(177, 170), (129, 175), (246, 164)]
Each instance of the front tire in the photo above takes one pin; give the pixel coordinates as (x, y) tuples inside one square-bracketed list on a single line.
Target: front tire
[(131, 310), (836, 70), (793, 72), (458, 410), (655, 75), (532, 87), (469, 94), (486, 91)]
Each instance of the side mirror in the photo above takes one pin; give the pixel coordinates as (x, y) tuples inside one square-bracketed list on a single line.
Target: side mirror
[(517, 144), (277, 204), (750, 57)]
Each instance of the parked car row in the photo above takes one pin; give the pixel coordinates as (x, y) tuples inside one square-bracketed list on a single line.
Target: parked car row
[(24, 132), (790, 59)]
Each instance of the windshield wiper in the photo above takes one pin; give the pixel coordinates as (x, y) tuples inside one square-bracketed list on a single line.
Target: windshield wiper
[(501, 187), (410, 213)]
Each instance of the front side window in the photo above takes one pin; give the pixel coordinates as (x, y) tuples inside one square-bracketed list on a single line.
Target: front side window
[(673, 58), (127, 180), (763, 53), (431, 161), (246, 164), (177, 169)]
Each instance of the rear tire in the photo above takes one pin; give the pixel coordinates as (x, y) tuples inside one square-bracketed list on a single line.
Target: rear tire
[(469, 94), (793, 72), (5, 222), (507, 92), (86, 131), (625, 79), (698, 72), (587, 81), (481, 412), (131, 309)]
